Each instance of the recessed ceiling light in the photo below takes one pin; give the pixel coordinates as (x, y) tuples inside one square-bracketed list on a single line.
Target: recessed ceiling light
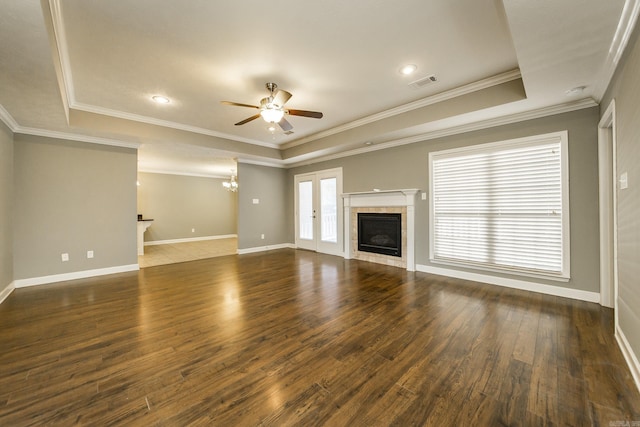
[(271, 128), (408, 69), (575, 91), (161, 99)]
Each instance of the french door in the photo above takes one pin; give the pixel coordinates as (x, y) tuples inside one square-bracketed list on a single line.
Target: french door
[(318, 211)]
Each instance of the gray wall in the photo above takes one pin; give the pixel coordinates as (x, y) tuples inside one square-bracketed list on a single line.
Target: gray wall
[(625, 89), (6, 204), (72, 197), (272, 216), (179, 203), (406, 167)]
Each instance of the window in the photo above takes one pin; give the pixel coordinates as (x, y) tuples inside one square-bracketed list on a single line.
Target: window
[(502, 206)]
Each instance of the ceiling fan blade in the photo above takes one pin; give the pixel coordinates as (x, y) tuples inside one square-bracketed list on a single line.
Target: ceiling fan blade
[(285, 125), (238, 104), (281, 97), (304, 113), (247, 120)]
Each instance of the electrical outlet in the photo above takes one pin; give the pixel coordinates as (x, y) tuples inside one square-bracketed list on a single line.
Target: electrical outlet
[(89, 254), (193, 230), (262, 236), (65, 257), (256, 201)]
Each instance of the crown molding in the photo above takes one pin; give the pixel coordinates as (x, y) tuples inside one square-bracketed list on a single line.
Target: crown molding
[(470, 127), (8, 120), (165, 123), (76, 137), (161, 171), (60, 54), (272, 164), (292, 163), (16, 128), (626, 24), (69, 97), (430, 100)]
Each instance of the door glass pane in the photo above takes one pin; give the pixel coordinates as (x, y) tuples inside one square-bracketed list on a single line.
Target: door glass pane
[(328, 210), (305, 209)]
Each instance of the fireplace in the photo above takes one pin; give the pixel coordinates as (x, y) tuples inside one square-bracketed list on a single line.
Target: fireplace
[(400, 202), (380, 233)]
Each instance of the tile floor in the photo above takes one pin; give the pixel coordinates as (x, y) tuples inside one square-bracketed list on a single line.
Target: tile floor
[(181, 252)]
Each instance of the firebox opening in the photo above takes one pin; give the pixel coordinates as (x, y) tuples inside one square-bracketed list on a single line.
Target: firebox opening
[(380, 233)]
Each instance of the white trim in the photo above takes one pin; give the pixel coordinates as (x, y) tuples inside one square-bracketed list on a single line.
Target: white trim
[(382, 198), (608, 218), (266, 248), (68, 89), (430, 100), (270, 163), (43, 280), (629, 356), (16, 128), (513, 283), (6, 292), (626, 24), (455, 130), (563, 138), (60, 39), (76, 137), (293, 163), (521, 273), (316, 243), (167, 124), (8, 119), (180, 173), (190, 239), (392, 194)]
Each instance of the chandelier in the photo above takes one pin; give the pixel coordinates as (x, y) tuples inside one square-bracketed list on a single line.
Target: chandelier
[(232, 184)]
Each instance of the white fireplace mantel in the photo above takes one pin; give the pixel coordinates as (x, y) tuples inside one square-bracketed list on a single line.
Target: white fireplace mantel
[(383, 198)]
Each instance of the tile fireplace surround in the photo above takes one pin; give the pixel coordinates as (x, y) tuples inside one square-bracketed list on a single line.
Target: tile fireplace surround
[(385, 201)]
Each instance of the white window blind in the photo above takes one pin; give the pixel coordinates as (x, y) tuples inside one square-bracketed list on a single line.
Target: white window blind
[(502, 206)]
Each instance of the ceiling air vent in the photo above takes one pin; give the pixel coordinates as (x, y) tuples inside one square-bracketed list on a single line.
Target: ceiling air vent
[(423, 81)]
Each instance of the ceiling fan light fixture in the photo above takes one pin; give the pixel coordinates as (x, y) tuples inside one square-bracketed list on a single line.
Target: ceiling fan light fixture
[(272, 115), (272, 110)]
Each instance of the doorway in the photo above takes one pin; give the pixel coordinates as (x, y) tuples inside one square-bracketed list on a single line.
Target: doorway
[(318, 211)]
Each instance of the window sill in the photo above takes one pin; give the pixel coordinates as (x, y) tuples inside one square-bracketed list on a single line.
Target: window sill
[(517, 273)]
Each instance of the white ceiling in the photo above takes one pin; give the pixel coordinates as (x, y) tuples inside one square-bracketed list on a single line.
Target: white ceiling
[(87, 69)]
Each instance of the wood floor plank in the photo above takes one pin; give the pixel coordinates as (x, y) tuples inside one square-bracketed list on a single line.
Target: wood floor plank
[(292, 337), (543, 398)]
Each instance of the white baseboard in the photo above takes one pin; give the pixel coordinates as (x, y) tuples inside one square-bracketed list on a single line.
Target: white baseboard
[(513, 283), (266, 248), (629, 356), (190, 239), (34, 281), (6, 292)]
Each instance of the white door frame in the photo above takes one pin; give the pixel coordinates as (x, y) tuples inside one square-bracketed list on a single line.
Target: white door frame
[(318, 245), (303, 243), (608, 209)]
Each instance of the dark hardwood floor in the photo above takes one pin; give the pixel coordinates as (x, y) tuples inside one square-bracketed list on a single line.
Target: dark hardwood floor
[(297, 338)]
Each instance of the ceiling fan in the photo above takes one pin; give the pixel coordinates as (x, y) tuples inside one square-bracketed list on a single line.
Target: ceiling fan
[(272, 108)]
